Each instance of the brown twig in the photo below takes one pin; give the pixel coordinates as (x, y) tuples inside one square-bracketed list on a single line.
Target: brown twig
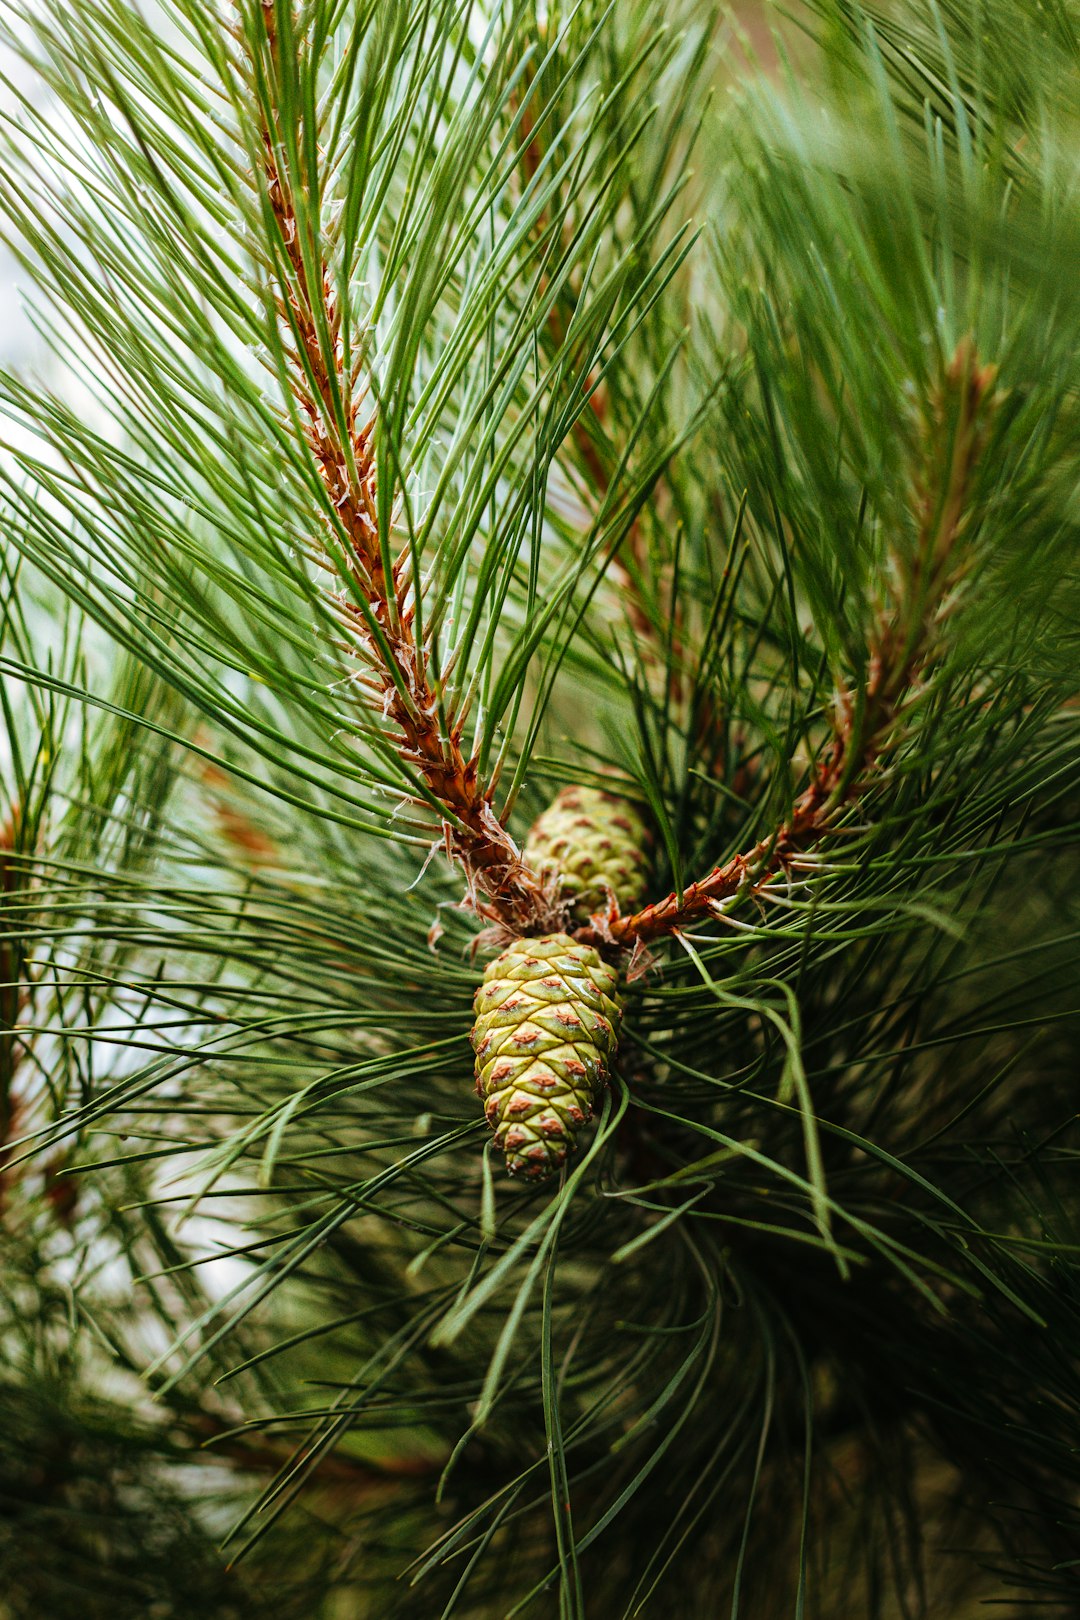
[(266, 1455), (906, 639), (502, 888), (647, 635), (250, 842), (14, 997)]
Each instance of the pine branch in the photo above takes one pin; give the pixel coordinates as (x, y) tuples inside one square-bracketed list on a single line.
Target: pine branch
[(502, 888), (908, 637)]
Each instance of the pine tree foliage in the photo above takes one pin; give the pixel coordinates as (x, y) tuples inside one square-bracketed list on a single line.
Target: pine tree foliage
[(458, 403)]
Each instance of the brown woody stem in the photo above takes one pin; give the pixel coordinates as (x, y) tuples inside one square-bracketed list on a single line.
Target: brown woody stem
[(634, 542), (906, 640), (501, 886), (13, 997)]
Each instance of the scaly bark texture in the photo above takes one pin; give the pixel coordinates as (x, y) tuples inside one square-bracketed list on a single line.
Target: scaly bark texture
[(330, 395)]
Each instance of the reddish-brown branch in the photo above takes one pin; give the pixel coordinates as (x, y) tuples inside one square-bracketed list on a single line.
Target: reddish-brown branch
[(502, 887), (13, 997), (634, 544), (266, 1455), (906, 640)]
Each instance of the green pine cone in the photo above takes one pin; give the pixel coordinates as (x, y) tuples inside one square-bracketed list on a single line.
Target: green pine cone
[(547, 1025), (594, 845)]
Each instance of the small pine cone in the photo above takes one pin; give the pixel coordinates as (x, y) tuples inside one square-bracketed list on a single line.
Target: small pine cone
[(547, 1025), (593, 844)]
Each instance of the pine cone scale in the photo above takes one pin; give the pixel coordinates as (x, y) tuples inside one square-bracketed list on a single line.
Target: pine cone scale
[(591, 845), (547, 1023)]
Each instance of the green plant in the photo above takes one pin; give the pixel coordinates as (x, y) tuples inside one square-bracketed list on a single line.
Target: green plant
[(457, 404)]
